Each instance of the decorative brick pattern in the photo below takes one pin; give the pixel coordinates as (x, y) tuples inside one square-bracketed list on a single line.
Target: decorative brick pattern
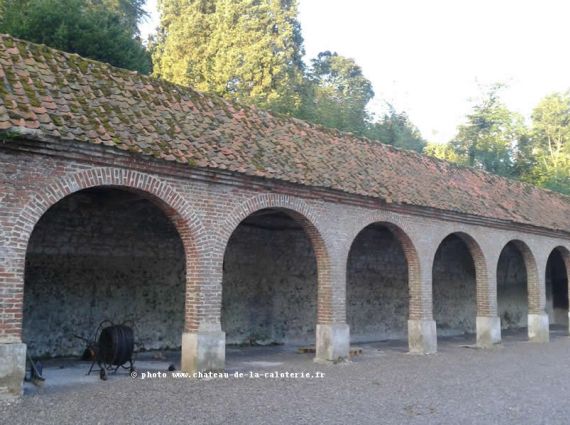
[(159, 192), (301, 212)]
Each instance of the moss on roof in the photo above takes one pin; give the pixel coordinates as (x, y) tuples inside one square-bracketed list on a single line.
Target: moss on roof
[(65, 96)]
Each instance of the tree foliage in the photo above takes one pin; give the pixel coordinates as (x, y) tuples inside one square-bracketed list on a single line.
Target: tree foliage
[(396, 129), (104, 30), (550, 143), (336, 93), (247, 50), (498, 141), (490, 137)]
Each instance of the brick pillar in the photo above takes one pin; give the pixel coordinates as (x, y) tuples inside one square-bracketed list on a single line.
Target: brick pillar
[(422, 333), (488, 323), (12, 350), (538, 324), (535, 267), (333, 334), (203, 341)]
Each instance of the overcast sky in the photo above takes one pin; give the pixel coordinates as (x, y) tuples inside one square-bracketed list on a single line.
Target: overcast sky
[(429, 57)]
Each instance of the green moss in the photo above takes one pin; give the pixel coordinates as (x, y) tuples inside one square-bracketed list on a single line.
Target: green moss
[(31, 94), (56, 120), (3, 90), (83, 66), (22, 49)]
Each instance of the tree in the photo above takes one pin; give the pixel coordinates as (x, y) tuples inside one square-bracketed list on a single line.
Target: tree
[(490, 137), (104, 30), (396, 129), (247, 50), (336, 94), (444, 151), (550, 143)]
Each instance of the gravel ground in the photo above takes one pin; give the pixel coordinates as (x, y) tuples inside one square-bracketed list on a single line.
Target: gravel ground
[(516, 383)]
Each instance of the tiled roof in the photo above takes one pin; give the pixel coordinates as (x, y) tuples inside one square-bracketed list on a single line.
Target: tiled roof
[(64, 96)]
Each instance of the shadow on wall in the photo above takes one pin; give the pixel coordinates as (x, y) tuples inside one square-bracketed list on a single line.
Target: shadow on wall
[(269, 293), (512, 293), (557, 289), (377, 286), (102, 254), (454, 288)]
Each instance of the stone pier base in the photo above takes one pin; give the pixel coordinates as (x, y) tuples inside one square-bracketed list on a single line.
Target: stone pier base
[(538, 328), (333, 342), (203, 351), (422, 336), (488, 331), (12, 369)]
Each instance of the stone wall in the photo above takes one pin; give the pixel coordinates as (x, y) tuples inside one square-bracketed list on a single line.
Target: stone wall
[(103, 254), (512, 292), (377, 287), (269, 289), (454, 288), (557, 289)]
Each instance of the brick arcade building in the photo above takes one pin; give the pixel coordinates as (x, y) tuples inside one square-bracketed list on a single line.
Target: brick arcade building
[(210, 223)]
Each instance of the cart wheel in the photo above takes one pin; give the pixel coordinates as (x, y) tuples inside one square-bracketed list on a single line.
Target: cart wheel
[(103, 374)]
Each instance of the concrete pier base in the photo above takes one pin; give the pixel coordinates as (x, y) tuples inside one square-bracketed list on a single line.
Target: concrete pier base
[(538, 328), (333, 342), (488, 331), (203, 351), (422, 336), (12, 369)]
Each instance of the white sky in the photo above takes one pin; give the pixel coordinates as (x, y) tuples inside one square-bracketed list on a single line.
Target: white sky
[(428, 57)]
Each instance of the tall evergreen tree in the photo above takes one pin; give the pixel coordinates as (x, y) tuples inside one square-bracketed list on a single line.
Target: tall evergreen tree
[(247, 50), (336, 93)]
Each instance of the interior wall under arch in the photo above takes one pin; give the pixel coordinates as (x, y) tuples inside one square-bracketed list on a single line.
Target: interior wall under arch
[(454, 288), (269, 287), (512, 288), (377, 286), (557, 289), (103, 254)]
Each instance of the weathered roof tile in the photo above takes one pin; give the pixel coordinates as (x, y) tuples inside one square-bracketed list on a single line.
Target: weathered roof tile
[(68, 97)]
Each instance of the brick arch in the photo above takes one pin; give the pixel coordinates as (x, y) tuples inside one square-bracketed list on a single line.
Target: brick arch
[(486, 305), (535, 296), (160, 193), (565, 254), (416, 312), (303, 214)]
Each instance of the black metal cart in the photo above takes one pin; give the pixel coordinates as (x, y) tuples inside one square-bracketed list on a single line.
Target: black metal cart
[(114, 349)]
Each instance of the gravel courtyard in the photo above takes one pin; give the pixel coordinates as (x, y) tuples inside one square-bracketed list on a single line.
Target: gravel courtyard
[(516, 383)]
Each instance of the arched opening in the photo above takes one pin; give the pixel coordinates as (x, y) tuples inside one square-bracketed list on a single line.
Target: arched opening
[(269, 285), (103, 253), (557, 287), (512, 286), (378, 284), (454, 280)]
